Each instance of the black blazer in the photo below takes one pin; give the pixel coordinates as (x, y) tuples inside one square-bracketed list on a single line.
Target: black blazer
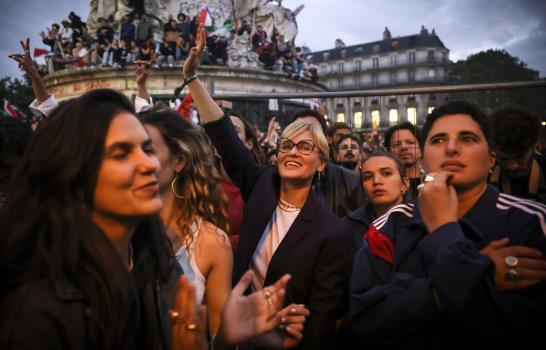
[(317, 250)]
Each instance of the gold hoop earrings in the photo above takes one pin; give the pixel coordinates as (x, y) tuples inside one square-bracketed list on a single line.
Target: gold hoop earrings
[(173, 189)]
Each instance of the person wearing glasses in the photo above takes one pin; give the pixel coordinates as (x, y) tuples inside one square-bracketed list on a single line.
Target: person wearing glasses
[(285, 229), (347, 152)]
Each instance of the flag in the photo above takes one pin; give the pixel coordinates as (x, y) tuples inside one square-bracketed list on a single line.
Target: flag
[(39, 52), (298, 10), (206, 19), (185, 106), (10, 110)]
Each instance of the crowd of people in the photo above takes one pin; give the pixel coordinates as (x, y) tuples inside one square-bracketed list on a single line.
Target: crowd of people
[(136, 38), (119, 221)]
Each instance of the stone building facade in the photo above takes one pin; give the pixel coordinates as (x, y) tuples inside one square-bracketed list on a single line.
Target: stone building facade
[(393, 62)]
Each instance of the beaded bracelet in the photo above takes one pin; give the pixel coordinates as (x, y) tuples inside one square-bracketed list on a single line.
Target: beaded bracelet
[(179, 89)]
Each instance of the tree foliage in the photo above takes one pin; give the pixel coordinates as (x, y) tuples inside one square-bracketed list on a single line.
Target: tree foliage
[(498, 66), (17, 91)]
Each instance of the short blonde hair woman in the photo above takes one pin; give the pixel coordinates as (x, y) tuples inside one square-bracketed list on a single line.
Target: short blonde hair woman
[(286, 228)]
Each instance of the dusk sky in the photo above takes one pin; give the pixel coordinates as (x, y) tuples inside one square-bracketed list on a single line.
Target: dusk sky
[(464, 26)]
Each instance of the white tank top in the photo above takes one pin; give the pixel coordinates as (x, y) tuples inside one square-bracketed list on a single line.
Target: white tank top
[(186, 259)]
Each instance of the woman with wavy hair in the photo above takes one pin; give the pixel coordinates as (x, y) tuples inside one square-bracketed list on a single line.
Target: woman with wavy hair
[(194, 210)]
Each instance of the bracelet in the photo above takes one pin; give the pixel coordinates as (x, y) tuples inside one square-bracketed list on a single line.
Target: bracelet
[(179, 89), (190, 79)]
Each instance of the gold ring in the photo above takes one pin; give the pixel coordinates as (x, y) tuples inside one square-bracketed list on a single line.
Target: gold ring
[(191, 326), (175, 316)]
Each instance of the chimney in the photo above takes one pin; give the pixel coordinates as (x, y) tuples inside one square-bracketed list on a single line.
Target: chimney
[(424, 31), (386, 34), (339, 44)]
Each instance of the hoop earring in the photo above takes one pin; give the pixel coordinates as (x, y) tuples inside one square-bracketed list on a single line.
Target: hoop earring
[(173, 189)]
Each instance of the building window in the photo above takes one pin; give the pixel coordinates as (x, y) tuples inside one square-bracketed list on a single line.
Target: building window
[(340, 84), (375, 62), (357, 82), (323, 69), (412, 115), (340, 68), (358, 65), (376, 119), (340, 118), (375, 80), (393, 60), (411, 76), (411, 57), (430, 56), (393, 78), (357, 120), (430, 109), (343, 53), (393, 116), (326, 56), (431, 73)]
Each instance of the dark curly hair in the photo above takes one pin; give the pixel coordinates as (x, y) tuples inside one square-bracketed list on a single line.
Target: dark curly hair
[(514, 130)]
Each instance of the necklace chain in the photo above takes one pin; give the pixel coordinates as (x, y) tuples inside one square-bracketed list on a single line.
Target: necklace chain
[(130, 256), (287, 207)]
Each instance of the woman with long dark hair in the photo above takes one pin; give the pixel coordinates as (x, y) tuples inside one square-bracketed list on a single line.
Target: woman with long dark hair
[(82, 251)]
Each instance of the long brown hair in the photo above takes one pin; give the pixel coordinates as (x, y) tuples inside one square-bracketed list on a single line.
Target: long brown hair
[(198, 184)]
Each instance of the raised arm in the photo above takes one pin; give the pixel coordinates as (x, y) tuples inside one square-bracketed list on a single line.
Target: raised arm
[(208, 109), (26, 63), (238, 160)]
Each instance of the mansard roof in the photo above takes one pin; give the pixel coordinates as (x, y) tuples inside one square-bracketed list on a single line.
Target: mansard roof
[(381, 47)]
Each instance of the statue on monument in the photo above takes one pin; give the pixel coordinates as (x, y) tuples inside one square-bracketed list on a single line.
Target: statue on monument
[(265, 13), (114, 10)]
